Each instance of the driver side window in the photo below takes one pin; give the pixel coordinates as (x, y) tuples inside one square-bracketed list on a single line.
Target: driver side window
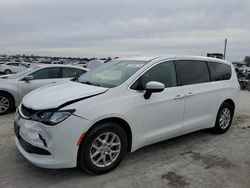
[(12, 64), (163, 72), (47, 73)]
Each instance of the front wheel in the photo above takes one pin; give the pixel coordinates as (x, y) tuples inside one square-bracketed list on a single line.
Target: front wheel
[(6, 103), (224, 118), (7, 71), (103, 148)]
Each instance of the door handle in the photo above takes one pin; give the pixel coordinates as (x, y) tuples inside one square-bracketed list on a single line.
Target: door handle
[(179, 97), (190, 94)]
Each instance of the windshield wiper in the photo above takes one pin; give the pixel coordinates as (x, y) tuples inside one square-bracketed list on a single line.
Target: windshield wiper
[(90, 83)]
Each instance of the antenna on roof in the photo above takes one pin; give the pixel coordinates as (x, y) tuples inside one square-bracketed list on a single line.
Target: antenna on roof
[(225, 48)]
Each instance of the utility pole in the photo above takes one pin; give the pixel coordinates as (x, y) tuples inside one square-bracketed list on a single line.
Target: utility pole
[(225, 48)]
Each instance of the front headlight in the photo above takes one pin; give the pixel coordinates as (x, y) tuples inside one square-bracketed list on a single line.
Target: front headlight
[(52, 117)]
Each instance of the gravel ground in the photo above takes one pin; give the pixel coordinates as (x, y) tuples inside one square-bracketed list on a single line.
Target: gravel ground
[(200, 159)]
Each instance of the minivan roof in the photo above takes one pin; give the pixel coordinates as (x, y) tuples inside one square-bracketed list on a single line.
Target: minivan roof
[(162, 57), (139, 58)]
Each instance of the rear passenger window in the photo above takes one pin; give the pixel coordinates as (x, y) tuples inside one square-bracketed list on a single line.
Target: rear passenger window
[(193, 72), (219, 71)]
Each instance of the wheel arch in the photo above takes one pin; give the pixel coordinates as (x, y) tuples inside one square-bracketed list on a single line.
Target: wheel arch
[(10, 94), (7, 69), (120, 122), (216, 128), (231, 102)]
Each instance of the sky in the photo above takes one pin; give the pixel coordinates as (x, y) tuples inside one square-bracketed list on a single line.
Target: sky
[(99, 28)]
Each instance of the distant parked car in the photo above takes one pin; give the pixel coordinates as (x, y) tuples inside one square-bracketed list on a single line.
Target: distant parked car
[(80, 64), (8, 68), (94, 64), (14, 87)]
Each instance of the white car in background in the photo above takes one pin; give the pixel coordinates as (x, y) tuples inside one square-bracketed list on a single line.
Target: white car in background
[(9, 68), (93, 64), (80, 64), (122, 106), (14, 87)]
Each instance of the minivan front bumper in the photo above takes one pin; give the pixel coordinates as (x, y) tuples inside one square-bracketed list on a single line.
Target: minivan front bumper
[(50, 146)]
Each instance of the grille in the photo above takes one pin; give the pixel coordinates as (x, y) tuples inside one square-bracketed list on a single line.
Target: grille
[(27, 146), (32, 149), (27, 111)]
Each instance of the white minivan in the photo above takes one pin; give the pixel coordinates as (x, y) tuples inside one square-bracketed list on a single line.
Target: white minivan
[(124, 105)]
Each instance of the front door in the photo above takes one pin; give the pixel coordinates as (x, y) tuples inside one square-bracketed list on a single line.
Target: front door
[(41, 78), (159, 117)]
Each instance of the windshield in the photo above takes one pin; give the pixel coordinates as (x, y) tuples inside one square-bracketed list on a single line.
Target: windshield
[(20, 74), (111, 74)]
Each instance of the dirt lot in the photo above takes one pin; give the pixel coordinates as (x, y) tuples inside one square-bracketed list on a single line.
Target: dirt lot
[(200, 159)]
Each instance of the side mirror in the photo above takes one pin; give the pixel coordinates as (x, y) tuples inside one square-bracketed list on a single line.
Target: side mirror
[(28, 78), (75, 78), (153, 87)]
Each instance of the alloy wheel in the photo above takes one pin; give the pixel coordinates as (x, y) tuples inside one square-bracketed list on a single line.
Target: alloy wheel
[(225, 118), (7, 72), (4, 104), (105, 149)]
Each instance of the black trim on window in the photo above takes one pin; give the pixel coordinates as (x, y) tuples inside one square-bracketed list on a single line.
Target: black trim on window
[(60, 72), (210, 77), (177, 74)]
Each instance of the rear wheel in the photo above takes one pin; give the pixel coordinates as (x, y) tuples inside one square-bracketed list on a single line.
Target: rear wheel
[(6, 103), (224, 118), (7, 71), (102, 149)]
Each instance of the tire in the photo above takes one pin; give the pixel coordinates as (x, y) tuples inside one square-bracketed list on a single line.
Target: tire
[(91, 143), (225, 114), (6, 103), (7, 71)]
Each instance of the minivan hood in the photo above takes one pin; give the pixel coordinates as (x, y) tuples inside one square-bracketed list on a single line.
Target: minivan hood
[(55, 95)]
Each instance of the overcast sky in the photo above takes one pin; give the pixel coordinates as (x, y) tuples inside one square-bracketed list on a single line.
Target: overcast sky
[(88, 28)]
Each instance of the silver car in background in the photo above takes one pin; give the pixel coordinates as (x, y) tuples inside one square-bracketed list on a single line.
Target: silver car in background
[(12, 67), (14, 87)]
